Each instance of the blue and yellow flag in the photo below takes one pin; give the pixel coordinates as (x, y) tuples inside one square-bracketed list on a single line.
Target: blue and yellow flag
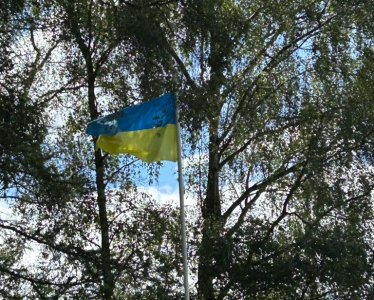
[(147, 130)]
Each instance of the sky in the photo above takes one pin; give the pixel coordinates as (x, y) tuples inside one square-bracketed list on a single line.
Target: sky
[(167, 186), (168, 175)]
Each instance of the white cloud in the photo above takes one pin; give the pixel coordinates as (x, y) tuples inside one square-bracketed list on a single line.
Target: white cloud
[(166, 194), (5, 211)]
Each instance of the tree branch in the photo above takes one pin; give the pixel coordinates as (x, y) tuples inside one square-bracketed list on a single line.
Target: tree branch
[(284, 213), (181, 65), (259, 186)]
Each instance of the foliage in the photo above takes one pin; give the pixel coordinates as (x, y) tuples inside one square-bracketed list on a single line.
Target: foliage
[(277, 114)]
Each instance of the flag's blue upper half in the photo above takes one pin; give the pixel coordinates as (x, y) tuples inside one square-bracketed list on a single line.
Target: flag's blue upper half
[(156, 112), (147, 130)]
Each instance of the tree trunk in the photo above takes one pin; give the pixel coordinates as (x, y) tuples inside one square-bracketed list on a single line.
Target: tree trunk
[(212, 217), (108, 279)]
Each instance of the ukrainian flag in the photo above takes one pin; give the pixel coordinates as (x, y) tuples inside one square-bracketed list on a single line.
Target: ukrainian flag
[(147, 130)]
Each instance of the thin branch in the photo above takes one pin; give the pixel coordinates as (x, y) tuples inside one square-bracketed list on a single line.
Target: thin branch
[(284, 213), (69, 250), (33, 39), (16, 274), (111, 176), (240, 220), (181, 65), (63, 89), (259, 186), (90, 24), (74, 27), (104, 57), (249, 141), (271, 64)]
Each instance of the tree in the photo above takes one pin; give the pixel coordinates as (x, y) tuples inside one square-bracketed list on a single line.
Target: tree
[(266, 89), (276, 107), (84, 230)]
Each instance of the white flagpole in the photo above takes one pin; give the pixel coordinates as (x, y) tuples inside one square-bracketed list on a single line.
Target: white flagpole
[(181, 197)]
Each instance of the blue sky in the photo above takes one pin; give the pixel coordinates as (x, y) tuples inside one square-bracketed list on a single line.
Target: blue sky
[(168, 175)]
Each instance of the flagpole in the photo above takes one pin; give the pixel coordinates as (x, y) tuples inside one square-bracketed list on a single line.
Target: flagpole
[(181, 197)]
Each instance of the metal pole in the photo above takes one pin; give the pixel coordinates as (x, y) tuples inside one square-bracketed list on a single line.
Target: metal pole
[(181, 197)]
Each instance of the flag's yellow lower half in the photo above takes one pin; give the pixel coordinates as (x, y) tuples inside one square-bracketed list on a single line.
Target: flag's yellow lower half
[(150, 145)]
